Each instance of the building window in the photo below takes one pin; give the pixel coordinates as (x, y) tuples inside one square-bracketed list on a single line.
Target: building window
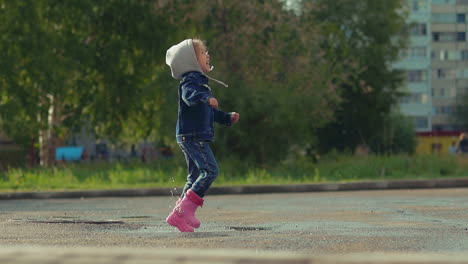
[(449, 110), (421, 122), (419, 30), (454, 55), (444, 2), (415, 6), (443, 74), (448, 18), (440, 55), (424, 98), (443, 18), (461, 36), (464, 54), (416, 76), (436, 147), (448, 36), (442, 92), (419, 5), (444, 110), (415, 52), (462, 73), (462, 91), (414, 98)]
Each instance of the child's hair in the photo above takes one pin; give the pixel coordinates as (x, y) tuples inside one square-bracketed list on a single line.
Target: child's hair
[(197, 43)]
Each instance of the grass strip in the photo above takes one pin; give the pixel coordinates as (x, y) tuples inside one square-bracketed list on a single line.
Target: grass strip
[(172, 173)]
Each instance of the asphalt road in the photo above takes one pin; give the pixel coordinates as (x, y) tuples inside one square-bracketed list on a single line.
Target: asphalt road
[(394, 221)]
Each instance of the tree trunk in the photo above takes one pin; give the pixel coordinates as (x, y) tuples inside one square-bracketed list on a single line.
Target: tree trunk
[(47, 137)]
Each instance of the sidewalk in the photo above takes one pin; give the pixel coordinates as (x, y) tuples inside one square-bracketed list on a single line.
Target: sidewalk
[(45, 255), (249, 189)]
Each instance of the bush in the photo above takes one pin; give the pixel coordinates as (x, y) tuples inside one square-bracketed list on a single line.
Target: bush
[(398, 136), (11, 158)]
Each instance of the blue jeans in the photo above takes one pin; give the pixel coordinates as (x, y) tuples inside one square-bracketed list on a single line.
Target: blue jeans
[(202, 166)]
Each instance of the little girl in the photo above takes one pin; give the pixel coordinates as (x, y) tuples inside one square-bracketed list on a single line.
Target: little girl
[(198, 110)]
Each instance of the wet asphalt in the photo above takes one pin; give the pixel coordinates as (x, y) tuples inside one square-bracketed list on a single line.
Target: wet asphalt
[(393, 221)]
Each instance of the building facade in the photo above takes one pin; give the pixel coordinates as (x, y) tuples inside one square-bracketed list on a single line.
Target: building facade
[(449, 61), (436, 63), (416, 61)]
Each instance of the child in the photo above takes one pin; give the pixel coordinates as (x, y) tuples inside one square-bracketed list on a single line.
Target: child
[(198, 109)]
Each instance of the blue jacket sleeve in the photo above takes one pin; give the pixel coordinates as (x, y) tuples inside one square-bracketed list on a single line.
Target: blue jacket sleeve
[(192, 96), (222, 117)]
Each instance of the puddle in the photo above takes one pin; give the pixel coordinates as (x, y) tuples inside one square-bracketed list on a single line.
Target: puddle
[(247, 228), (67, 221), (137, 217)]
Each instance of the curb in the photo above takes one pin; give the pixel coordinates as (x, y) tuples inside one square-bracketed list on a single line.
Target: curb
[(46, 255), (249, 189)]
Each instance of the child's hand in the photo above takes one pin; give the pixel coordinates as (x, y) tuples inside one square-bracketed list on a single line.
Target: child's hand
[(213, 102), (235, 117)]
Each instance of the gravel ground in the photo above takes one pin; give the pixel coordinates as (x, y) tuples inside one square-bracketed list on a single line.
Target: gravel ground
[(394, 221)]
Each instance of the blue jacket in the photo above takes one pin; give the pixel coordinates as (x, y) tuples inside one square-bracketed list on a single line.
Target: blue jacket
[(195, 117)]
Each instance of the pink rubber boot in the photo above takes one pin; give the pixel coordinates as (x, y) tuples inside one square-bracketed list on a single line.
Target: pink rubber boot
[(175, 219), (183, 215), (189, 205)]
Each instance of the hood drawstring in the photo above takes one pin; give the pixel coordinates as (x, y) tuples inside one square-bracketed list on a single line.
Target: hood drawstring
[(218, 81)]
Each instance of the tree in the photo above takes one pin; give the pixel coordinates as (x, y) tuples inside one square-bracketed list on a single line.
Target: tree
[(362, 38), (69, 62), (461, 113), (397, 136), (102, 63), (279, 81)]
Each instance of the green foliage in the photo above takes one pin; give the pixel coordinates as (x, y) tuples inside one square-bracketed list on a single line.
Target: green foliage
[(11, 158), (461, 115), (172, 173), (398, 136), (298, 79), (363, 38), (279, 81), (84, 60)]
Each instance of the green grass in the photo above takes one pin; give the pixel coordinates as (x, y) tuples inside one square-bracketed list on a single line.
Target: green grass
[(172, 173)]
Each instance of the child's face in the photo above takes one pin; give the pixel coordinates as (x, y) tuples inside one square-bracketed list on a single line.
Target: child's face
[(203, 57)]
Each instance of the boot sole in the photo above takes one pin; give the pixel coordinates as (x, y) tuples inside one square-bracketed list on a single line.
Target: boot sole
[(179, 223)]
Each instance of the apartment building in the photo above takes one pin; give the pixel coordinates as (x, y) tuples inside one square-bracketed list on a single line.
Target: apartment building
[(449, 60), (436, 63), (416, 61)]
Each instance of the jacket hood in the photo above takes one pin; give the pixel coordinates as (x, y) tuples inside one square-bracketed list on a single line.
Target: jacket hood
[(181, 58)]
